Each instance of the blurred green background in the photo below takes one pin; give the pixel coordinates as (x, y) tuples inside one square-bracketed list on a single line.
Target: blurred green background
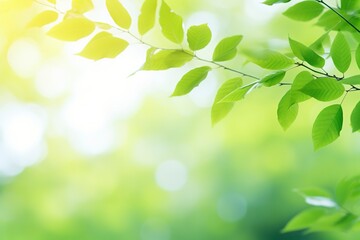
[(87, 153)]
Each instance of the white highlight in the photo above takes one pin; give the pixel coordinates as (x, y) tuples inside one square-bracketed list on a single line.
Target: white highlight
[(171, 175), (22, 144), (24, 57)]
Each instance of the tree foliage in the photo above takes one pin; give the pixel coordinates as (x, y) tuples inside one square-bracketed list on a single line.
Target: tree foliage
[(340, 34)]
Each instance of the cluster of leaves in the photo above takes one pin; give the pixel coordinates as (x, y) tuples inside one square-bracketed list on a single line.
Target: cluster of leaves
[(340, 36), (339, 212)]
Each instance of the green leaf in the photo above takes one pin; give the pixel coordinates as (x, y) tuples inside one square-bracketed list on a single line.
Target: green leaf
[(317, 46), (350, 4), (269, 59), (304, 219), (171, 24), (348, 194), (82, 6), (199, 36), (226, 49), (165, 59), (72, 29), (237, 94), (304, 11), (271, 2), (104, 45), (43, 19), (219, 109), (306, 54), (287, 110), (324, 89), (327, 126), (118, 13), (191, 80), (273, 78), (357, 56), (355, 118), (147, 16), (340, 53), (299, 82), (353, 80)]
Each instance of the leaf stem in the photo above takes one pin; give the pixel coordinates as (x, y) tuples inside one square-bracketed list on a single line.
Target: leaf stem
[(318, 72)]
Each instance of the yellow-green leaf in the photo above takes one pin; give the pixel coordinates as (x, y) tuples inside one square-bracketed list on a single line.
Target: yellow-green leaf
[(191, 80), (353, 80), (226, 49), (304, 11), (43, 18), (198, 36), (357, 56), (306, 54), (269, 59), (119, 13), (104, 45), (355, 118), (305, 219), (52, 1), (82, 6), (324, 89), (340, 53), (72, 29), (147, 16), (165, 59), (327, 126), (273, 78), (219, 109), (171, 24), (287, 110)]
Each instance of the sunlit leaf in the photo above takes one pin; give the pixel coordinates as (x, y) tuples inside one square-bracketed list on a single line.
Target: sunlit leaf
[(271, 2), (165, 59), (171, 24), (355, 118), (353, 80), (82, 6), (147, 16), (273, 78), (349, 4), (104, 45), (269, 59), (72, 29), (304, 11), (287, 110), (237, 94), (219, 109), (299, 82), (306, 54), (119, 13), (43, 18), (198, 36), (327, 126), (226, 49), (324, 89), (304, 219), (318, 45), (340, 53), (191, 80), (357, 56)]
